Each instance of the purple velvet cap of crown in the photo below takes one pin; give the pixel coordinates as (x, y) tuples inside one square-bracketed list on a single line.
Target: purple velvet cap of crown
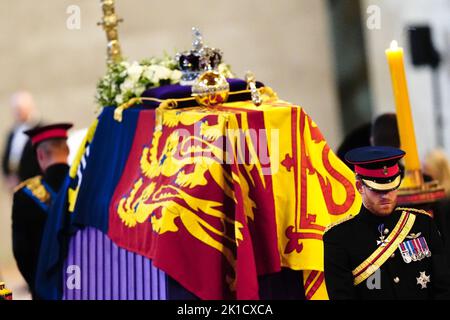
[(176, 91)]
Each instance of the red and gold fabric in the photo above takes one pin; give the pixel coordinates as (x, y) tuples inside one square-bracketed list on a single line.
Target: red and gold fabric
[(217, 196)]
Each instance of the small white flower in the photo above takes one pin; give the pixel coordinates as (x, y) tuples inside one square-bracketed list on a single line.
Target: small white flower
[(125, 64), (139, 90), (127, 85), (119, 99), (149, 73), (135, 71), (162, 72), (175, 76), (123, 74), (152, 74)]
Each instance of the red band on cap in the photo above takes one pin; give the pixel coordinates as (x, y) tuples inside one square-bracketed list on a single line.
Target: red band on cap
[(379, 172), (50, 134)]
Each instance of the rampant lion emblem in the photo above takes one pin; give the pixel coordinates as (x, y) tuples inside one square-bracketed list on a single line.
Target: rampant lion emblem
[(178, 171)]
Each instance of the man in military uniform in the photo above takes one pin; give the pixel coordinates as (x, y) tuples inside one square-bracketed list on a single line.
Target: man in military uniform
[(384, 252), (33, 197)]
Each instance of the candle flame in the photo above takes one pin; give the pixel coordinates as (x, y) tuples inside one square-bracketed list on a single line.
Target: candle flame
[(394, 45)]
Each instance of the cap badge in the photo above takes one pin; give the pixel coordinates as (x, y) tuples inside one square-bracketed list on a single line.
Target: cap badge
[(385, 170)]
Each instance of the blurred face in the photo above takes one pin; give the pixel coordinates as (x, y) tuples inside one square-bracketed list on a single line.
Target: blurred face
[(23, 106), (23, 112), (379, 203)]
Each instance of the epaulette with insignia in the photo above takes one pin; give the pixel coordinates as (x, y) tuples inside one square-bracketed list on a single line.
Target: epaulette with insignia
[(413, 210), (349, 217), (31, 181), (35, 188)]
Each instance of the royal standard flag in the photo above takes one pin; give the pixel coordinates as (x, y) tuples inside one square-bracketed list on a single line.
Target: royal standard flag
[(215, 197)]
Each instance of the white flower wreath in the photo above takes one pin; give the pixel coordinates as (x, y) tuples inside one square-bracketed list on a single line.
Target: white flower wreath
[(124, 81)]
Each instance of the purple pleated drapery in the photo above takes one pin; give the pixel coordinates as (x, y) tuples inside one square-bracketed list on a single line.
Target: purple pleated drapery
[(108, 272)]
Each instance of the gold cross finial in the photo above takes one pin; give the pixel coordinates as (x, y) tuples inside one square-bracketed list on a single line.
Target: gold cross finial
[(109, 22)]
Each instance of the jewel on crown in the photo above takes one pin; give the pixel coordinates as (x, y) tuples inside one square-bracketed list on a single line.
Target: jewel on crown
[(199, 59)]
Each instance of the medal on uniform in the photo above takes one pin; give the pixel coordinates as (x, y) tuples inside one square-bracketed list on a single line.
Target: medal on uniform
[(411, 250), (424, 245), (418, 249), (423, 279), (415, 249), (382, 240), (405, 252)]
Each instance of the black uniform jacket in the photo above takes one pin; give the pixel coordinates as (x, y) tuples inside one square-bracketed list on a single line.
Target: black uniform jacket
[(349, 243), (31, 201)]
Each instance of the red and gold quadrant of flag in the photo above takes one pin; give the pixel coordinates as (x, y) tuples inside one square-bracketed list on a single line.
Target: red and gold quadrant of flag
[(219, 196)]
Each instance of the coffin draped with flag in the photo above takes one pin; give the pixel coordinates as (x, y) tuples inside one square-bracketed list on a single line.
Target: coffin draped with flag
[(213, 197)]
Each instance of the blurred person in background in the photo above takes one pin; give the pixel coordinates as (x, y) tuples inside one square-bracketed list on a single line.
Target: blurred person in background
[(384, 131), (437, 166), (19, 159), (358, 137)]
